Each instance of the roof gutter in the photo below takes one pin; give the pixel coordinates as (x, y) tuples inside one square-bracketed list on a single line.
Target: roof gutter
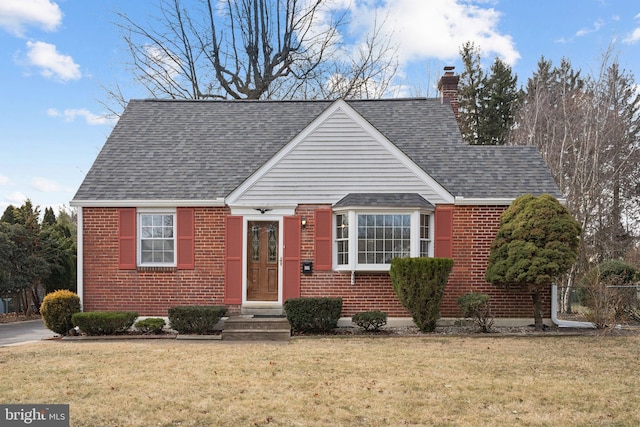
[(490, 201), (564, 323), (148, 203)]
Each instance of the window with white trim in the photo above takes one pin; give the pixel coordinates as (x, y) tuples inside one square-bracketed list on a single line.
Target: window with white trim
[(425, 235), (157, 239), (342, 239), (368, 240)]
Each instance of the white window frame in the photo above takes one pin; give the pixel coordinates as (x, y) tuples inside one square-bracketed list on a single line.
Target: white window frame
[(353, 213), (156, 211)]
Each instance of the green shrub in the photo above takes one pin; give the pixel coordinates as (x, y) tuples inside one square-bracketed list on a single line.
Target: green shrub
[(57, 309), (373, 320), (195, 319), (104, 322), (419, 284), (313, 314), (476, 306), (150, 325)]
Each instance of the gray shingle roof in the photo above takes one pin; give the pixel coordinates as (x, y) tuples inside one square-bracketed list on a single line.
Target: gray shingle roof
[(400, 200), (203, 150)]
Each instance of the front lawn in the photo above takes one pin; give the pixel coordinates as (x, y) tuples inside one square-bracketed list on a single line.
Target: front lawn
[(333, 381)]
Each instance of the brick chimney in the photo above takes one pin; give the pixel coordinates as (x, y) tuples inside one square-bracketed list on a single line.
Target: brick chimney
[(448, 87)]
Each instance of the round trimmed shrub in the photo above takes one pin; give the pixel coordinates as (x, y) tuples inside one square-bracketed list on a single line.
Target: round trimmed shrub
[(150, 325), (57, 308), (373, 320)]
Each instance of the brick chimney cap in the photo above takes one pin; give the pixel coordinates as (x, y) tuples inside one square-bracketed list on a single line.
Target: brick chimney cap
[(449, 68)]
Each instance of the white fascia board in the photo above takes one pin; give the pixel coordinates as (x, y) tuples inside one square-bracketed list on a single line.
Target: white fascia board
[(269, 210), (340, 104), (480, 201), (364, 208), (147, 203), (489, 201)]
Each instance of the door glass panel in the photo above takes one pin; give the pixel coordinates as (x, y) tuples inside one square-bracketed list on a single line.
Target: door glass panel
[(273, 244), (255, 242)]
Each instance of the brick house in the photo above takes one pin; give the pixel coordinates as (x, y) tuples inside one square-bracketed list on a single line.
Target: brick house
[(248, 203)]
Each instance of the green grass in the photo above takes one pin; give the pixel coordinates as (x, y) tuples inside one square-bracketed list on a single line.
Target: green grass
[(333, 381)]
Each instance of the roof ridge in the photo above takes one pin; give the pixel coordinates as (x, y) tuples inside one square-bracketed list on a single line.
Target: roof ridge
[(262, 101)]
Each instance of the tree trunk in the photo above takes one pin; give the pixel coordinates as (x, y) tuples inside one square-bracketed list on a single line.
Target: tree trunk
[(537, 310)]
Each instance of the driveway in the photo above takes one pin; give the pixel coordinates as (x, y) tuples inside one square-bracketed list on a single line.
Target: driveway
[(20, 332)]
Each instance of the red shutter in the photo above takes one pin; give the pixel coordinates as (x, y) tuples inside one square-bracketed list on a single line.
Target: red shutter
[(233, 260), (323, 225), (186, 238), (443, 245), (127, 238), (291, 258)]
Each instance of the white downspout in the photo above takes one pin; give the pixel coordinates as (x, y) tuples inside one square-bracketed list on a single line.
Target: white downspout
[(564, 323), (80, 258)]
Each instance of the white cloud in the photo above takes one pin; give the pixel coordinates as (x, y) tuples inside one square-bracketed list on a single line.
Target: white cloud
[(52, 63), (17, 15), (45, 185), (163, 62), (70, 114), (437, 28), (16, 198), (4, 180), (633, 37), (584, 31)]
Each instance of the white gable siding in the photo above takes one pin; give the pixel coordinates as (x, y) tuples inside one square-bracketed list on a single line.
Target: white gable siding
[(336, 158)]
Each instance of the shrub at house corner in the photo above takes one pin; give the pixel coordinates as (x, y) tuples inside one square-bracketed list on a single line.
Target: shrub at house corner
[(537, 242), (57, 309)]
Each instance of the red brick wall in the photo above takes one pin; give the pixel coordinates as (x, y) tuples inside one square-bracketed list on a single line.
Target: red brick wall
[(474, 230), (151, 292)]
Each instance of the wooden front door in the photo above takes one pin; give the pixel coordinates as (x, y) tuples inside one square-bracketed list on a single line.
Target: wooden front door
[(262, 260)]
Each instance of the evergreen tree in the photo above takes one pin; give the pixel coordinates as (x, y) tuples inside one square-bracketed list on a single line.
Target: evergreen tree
[(49, 217), (499, 104), (537, 242), (36, 258), (9, 215), (470, 93), (487, 101)]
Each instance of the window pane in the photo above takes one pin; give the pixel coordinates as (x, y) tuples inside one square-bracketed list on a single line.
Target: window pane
[(157, 239), (147, 256), (425, 236), (382, 236)]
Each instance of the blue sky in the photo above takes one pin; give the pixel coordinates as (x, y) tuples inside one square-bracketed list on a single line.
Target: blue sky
[(57, 56)]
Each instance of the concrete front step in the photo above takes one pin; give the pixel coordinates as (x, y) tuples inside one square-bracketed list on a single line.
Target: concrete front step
[(244, 328)]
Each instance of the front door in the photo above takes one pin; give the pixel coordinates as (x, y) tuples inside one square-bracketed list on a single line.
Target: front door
[(262, 261)]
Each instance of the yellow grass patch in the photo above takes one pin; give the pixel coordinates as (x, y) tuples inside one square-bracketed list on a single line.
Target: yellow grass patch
[(333, 381)]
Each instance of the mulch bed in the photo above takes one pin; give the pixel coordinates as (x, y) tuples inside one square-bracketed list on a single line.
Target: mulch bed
[(472, 331), (632, 328)]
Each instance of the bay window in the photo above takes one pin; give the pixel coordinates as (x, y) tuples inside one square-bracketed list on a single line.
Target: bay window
[(368, 240)]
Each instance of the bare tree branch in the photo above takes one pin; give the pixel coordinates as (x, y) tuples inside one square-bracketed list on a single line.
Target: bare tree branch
[(255, 49)]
